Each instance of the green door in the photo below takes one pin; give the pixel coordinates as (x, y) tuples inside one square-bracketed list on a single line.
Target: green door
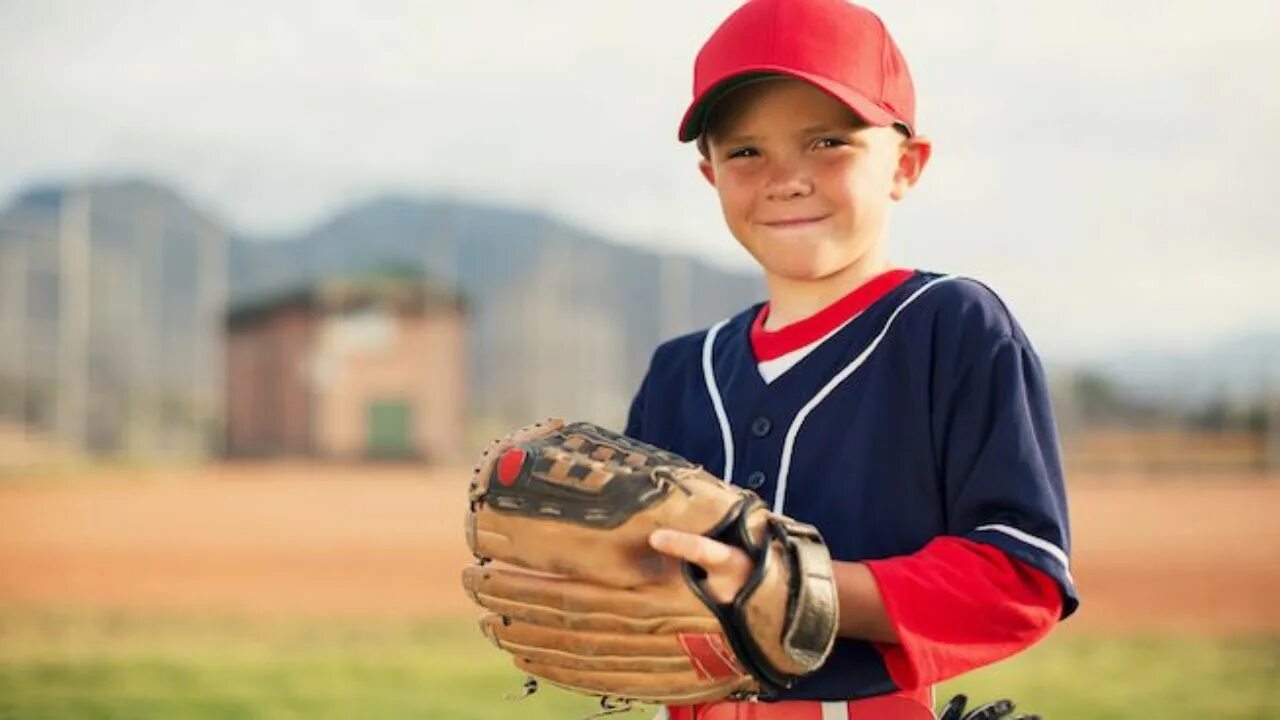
[(389, 429)]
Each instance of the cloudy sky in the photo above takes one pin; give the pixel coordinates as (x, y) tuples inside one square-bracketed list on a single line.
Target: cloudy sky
[(1107, 166)]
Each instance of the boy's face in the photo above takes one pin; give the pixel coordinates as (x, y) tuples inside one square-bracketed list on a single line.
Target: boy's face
[(805, 186)]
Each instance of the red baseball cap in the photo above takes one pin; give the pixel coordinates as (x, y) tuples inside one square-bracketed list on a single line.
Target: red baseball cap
[(837, 46)]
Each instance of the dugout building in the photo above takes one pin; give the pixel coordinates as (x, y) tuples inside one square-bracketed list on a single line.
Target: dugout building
[(353, 369)]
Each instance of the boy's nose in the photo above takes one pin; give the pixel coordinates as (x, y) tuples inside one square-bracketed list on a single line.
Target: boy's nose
[(788, 181)]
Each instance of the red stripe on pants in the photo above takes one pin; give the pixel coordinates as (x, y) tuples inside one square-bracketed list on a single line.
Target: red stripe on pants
[(899, 706)]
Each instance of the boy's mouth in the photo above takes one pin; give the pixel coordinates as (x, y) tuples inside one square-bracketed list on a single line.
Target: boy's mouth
[(794, 222)]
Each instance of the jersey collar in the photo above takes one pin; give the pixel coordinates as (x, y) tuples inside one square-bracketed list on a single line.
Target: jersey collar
[(770, 344)]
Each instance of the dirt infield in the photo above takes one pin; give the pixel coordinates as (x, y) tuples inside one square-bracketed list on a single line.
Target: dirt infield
[(289, 539)]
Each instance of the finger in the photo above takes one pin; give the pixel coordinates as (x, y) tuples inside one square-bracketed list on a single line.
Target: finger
[(562, 602), (673, 687), (710, 555), (727, 567), (615, 652)]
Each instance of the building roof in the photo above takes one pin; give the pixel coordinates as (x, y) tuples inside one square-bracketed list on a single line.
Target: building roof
[(404, 290)]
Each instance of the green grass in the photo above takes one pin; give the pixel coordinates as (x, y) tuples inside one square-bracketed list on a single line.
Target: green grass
[(72, 665), (1075, 677)]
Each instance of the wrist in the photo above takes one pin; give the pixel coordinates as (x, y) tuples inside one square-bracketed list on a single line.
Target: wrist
[(863, 615)]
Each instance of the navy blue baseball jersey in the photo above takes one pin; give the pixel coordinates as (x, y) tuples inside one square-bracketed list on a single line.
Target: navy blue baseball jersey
[(924, 416)]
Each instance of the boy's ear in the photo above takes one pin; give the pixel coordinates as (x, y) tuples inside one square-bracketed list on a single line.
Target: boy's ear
[(708, 172), (916, 152)]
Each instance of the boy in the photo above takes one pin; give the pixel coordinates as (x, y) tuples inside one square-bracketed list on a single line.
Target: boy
[(901, 412)]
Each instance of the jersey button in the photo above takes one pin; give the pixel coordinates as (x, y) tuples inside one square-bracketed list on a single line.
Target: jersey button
[(761, 426), (755, 480)]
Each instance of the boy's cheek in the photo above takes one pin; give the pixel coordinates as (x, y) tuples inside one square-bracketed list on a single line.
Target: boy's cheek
[(736, 201), (734, 177)]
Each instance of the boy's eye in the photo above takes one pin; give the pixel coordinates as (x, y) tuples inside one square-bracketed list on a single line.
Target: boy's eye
[(742, 152), (828, 142)]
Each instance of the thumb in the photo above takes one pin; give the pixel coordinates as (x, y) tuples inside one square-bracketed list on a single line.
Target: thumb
[(711, 555), (727, 567)]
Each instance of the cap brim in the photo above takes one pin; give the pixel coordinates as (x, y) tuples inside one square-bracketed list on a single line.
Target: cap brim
[(695, 118)]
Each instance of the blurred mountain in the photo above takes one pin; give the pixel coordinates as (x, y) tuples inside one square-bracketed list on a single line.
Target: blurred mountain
[(1237, 370), (563, 321)]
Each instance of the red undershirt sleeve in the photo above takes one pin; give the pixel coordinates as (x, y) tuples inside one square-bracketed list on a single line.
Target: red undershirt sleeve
[(957, 605)]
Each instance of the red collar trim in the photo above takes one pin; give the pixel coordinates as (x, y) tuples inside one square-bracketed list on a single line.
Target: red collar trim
[(770, 344)]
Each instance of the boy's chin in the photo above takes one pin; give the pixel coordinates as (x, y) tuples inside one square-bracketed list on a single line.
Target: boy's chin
[(804, 259), (805, 266), (803, 271)]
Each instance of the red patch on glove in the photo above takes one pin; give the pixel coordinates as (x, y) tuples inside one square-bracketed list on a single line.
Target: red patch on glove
[(510, 465), (711, 656)]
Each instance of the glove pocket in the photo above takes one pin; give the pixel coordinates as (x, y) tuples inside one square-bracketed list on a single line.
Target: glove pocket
[(672, 688), (558, 602)]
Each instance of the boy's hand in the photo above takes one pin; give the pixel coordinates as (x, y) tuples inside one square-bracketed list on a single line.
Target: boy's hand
[(561, 518), (727, 567)]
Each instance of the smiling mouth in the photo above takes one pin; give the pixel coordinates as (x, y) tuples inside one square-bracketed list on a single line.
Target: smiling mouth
[(795, 222)]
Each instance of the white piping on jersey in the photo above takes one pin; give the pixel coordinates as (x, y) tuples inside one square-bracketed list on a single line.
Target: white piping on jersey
[(835, 711), (784, 469), (1039, 543), (789, 443), (662, 714), (709, 375)]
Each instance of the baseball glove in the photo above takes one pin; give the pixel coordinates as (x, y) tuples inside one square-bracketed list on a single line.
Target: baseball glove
[(592, 608)]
